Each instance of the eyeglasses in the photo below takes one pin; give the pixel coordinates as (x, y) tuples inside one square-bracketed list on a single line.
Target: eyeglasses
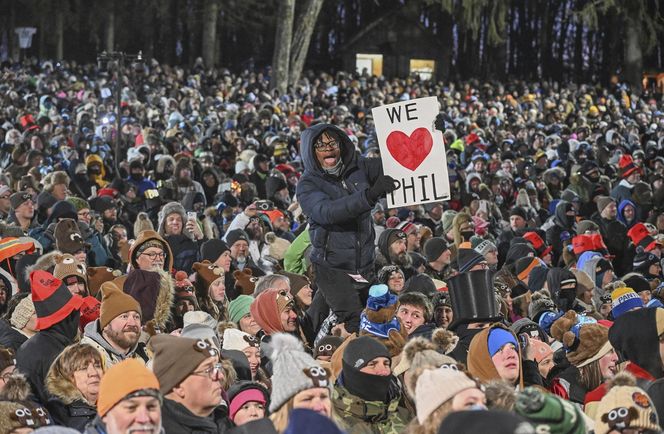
[(155, 255), (326, 146), (84, 214), (212, 372)]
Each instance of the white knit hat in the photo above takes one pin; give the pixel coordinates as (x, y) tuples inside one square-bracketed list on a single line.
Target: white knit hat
[(293, 370), (235, 339), (22, 313), (437, 386)]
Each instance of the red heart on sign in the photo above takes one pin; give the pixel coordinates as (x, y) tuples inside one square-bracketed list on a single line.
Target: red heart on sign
[(411, 151)]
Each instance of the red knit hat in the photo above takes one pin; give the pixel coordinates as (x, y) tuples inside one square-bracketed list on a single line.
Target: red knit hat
[(626, 166), (538, 243), (53, 301), (641, 237)]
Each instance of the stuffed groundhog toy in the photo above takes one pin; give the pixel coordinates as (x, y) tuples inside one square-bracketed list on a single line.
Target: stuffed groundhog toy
[(379, 320), (99, 275), (245, 281)]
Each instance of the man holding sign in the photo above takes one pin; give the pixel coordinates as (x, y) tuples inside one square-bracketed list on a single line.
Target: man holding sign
[(337, 192), (413, 151)]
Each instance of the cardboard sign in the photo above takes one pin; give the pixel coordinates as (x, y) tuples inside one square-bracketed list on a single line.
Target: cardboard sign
[(412, 151)]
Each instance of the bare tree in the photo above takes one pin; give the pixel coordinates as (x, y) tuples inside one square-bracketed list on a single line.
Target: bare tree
[(59, 33), (210, 16), (282, 45), (302, 38)]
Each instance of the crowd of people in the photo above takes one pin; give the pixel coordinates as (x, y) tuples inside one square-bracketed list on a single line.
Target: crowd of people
[(226, 262)]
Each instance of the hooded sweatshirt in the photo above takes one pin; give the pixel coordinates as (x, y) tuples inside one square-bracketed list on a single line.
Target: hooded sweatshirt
[(92, 336), (480, 364)]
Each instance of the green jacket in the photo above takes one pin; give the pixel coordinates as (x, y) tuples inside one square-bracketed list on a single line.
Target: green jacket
[(369, 417), (294, 261)]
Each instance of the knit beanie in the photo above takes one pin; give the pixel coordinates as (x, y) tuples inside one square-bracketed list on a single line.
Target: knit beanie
[(584, 342), (637, 282), (198, 317), (625, 406), (586, 225), (19, 198), (549, 413), (540, 350), (327, 346), (236, 235), (24, 310), (359, 352), (266, 309), (212, 249), (524, 266), (297, 281), (293, 370), (175, 358), (518, 211), (434, 247), (68, 237), (235, 339), (52, 300), (395, 235), (623, 300), (78, 203), (66, 266), (243, 392), (498, 338), (448, 221), (98, 275), (122, 380), (467, 259), (485, 247), (115, 303), (27, 415), (239, 308), (435, 387), (603, 202), (643, 260), (207, 273)]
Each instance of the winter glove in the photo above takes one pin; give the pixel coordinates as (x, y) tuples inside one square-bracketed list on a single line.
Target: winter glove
[(384, 184), (439, 123)]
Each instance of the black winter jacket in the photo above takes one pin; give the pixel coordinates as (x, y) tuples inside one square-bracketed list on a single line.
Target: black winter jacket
[(341, 229), (176, 419), (10, 337)]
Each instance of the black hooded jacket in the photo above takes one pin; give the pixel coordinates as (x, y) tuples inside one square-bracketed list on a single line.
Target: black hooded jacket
[(339, 212), (635, 337)]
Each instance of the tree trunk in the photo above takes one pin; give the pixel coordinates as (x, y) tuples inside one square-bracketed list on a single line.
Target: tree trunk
[(633, 55), (302, 38), (210, 15), (59, 35), (282, 45), (109, 33)]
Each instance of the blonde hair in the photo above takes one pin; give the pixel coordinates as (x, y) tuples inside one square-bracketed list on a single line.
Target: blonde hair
[(60, 378), (280, 418)]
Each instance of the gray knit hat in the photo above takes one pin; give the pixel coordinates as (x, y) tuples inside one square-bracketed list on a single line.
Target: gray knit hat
[(485, 247), (293, 370), (448, 220)]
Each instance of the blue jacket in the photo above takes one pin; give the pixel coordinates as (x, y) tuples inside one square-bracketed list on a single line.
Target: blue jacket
[(339, 213)]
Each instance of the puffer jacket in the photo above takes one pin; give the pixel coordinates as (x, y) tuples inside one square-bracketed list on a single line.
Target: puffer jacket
[(339, 212)]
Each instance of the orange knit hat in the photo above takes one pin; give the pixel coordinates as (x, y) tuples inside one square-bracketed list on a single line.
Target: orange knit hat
[(122, 379)]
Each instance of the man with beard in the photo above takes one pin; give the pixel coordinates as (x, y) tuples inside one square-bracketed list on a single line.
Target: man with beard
[(115, 334), (392, 247), (137, 177), (238, 242), (181, 183)]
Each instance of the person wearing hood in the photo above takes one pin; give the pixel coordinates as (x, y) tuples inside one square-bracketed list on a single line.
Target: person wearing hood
[(614, 233), (116, 332), (337, 191), (392, 250), (366, 394), (277, 191), (57, 324), (181, 183), (96, 170), (184, 235), (563, 221), (261, 168), (627, 213), (137, 177), (495, 354), (600, 271)]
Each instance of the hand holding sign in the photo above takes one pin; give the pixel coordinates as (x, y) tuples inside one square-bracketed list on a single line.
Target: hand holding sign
[(384, 184), (412, 151)]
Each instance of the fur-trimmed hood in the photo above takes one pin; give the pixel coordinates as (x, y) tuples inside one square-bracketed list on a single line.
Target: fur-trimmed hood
[(16, 388), (63, 389), (45, 262), (162, 310)]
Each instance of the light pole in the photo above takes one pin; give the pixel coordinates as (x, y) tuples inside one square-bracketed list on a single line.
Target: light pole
[(114, 61)]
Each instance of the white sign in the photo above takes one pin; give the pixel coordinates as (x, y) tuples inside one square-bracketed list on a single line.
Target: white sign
[(412, 151), (25, 36)]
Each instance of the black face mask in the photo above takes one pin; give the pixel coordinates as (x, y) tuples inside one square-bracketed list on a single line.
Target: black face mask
[(593, 177), (137, 176), (467, 234), (368, 387), (94, 170)]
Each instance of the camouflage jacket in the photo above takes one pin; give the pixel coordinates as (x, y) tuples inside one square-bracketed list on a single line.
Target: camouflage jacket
[(369, 417)]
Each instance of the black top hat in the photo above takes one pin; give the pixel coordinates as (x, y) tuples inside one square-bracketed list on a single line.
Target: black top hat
[(473, 298)]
